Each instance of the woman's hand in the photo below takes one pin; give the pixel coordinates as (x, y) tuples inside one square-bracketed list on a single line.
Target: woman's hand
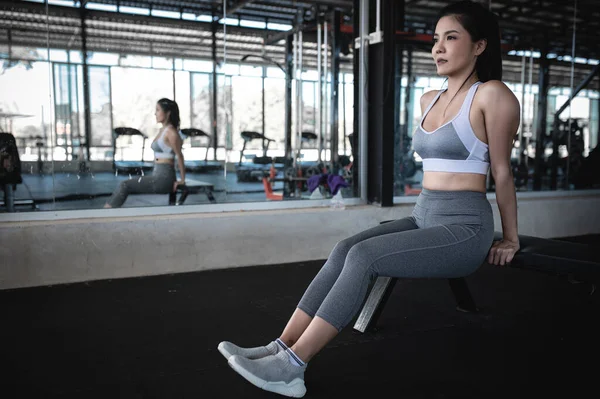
[(502, 252), (177, 183)]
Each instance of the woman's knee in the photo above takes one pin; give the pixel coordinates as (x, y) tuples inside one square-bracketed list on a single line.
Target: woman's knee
[(359, 260), (123, 187), (343, 247)]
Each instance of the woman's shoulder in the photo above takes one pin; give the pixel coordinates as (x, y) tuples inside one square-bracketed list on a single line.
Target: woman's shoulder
[(492, 92), (171, 131), (428, 97), (494, 88)]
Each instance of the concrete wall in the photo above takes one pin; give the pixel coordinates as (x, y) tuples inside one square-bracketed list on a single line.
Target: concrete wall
[(46, 252)]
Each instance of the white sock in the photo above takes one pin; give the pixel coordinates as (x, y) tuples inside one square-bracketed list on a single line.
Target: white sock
[(281, 344), (294, 359)]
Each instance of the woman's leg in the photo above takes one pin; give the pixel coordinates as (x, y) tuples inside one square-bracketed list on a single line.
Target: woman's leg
[(329, 273), (137, 185), (441, 251), (160, 182), (435, 252), (316, 292)]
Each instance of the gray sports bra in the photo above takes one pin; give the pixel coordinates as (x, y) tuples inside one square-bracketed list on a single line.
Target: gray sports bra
[(453, 147), (161, 149)]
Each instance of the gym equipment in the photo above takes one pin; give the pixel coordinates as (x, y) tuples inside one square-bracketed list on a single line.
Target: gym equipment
[(554, 257), (123, 166), (260, 165), (566, 146), (199, 165), (305, 168), (10, 172), (295, 174), (191, 187)]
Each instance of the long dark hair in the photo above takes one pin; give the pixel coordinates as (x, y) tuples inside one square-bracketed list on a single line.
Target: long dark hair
[(481, 24), (171, 107)]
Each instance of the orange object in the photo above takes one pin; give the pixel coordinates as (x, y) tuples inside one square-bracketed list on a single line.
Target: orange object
[(408, 190), (269, 191)]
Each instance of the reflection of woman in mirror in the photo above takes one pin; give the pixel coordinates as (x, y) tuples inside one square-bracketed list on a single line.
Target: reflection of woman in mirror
[(166, 145), (466, 130)]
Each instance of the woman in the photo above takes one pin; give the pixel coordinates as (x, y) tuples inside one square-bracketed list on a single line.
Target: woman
[(465, 129), (166, 145)]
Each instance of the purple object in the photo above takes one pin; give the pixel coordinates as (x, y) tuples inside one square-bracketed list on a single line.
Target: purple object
[(335, 182), (313, 182)]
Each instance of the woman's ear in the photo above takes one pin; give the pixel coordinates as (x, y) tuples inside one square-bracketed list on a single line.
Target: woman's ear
[(480, 46)]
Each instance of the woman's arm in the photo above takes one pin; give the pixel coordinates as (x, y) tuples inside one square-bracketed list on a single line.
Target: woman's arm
[(176, 143), (501, 113)]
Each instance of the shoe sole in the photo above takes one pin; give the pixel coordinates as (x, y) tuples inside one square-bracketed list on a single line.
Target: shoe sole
[(294, 389), (224, 351)]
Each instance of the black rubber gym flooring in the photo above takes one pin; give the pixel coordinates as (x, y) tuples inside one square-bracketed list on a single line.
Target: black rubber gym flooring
[(156, 337)]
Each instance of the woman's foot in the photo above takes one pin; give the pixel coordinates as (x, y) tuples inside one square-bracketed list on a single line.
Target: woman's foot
[(229, 349), (272, 373)]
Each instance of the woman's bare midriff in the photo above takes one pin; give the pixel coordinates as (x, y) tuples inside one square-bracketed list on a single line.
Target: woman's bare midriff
[(445, 181), (165, 160)]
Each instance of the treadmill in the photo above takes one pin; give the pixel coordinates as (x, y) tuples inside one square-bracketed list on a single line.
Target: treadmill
[(200, 165), (260, 166), (129, 166)]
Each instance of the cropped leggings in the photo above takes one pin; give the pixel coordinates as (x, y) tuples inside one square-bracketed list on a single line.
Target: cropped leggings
[(161, 181), (448, 235)]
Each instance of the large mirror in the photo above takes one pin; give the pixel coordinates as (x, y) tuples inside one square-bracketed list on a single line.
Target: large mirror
[(263, 93)]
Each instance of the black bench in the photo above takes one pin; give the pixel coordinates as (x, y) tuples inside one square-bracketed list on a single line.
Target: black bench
[(192, 187), (554, 257)]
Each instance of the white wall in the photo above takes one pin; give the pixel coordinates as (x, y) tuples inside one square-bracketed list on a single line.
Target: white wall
[(45, 252)]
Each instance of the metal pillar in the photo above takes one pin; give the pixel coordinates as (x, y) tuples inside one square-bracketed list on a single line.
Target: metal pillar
[(598, 131), (264, 73), (409, 86), (543, 85), (401, 131), (353, 136), (522, 123), (86, 80), (362, 115), (191, 75), (382, 105), (326, 106), (335, 80), (289, 68), (319, 97), (524, 146), (174, 81), (215, 139)]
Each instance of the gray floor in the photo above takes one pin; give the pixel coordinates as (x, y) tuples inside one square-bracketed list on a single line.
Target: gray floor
[(156, 337)]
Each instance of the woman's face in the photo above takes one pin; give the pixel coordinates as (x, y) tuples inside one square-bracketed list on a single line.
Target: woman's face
[(453, 50), (160, 115)]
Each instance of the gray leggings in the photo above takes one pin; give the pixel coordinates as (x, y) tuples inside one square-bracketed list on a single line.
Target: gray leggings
[(448, 235), (159, 182)]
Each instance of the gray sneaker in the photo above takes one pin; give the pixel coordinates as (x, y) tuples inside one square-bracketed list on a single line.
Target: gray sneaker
[(229, 349), (272, 373)]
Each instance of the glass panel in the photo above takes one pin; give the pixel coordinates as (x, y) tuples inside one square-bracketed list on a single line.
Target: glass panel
[(201, 101), (101, 111), (72, 102), (134, 95), (275, 114), (247, 113), (25, 112)]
